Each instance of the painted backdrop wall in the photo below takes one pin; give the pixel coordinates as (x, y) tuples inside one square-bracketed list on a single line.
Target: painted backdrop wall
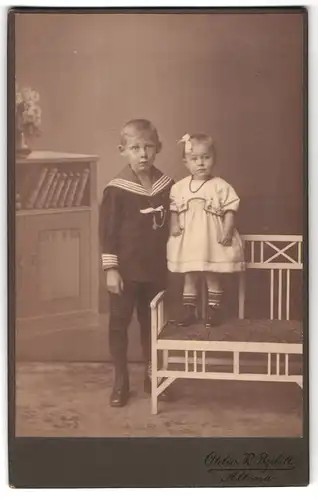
[(238, 77)]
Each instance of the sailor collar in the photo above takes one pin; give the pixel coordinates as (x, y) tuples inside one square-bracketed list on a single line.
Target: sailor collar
[(128, 181)]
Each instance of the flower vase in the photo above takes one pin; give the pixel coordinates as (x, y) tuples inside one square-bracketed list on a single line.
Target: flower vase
[(22, 148)]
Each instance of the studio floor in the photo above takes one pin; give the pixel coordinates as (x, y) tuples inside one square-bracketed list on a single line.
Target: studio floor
[(72, 400)]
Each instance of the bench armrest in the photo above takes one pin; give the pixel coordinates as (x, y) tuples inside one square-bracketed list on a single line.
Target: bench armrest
[(157, 299)]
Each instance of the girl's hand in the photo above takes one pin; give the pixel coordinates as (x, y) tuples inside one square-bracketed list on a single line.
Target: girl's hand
[(227, 237), (114, 282), (227, 240), (176, 230)]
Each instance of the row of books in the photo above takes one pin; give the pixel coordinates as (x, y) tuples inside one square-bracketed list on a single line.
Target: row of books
[(54, 189)]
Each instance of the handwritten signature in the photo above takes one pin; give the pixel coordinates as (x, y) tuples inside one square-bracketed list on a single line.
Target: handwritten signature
[(249, 467)]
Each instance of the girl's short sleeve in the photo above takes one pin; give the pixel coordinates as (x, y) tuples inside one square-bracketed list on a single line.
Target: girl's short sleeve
[(173, 199), (229, 199)]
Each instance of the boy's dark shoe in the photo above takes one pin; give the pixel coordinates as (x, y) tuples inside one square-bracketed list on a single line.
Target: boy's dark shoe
[(214, 317), (147, 379), (120, 393), (167, 396), (187, 316)]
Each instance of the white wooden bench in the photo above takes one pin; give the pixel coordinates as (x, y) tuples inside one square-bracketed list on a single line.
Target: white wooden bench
[(279, 255)]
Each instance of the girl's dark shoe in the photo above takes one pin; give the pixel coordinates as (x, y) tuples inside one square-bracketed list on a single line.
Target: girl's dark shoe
[(120, 393), (214, 317), (187, 316)]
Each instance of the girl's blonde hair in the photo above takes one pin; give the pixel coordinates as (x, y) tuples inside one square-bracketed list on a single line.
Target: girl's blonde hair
[(187, 141)]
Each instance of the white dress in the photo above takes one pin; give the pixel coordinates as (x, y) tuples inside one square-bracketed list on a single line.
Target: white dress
[(201, 218)]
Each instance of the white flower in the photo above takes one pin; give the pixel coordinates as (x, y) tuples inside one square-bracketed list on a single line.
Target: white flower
[(18, 98), (35, 96), (28, 111), (26, 94)]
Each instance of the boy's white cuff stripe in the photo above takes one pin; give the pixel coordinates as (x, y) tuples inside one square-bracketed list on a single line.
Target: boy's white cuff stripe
[(109, 260)]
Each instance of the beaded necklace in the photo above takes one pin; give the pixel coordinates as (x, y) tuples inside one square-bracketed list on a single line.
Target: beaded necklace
[(196, 190)]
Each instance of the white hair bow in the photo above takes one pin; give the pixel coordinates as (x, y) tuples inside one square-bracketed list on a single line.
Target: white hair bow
[(187, 143)]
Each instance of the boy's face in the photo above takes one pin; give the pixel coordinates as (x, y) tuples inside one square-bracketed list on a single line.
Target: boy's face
[(140, 151), (200, 160)]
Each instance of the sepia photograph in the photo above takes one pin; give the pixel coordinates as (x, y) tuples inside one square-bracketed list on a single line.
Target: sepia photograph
[(160, 223)]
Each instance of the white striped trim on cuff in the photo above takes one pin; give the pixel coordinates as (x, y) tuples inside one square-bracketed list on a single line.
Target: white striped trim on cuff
[(109, 260)]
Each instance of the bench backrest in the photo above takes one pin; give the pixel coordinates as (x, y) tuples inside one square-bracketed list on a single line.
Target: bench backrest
[(279, 255)]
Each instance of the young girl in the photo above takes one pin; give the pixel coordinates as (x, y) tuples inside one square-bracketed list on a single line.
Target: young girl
[(203, 238)]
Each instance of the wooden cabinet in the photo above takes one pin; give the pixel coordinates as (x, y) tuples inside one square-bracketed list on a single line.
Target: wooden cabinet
[(57, 258)]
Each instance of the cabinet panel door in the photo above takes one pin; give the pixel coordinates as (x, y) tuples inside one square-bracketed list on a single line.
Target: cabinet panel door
[(62, 264), (25, 280)]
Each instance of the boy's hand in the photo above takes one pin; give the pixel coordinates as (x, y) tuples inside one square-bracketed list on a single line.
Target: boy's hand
[(176, 230), (114, 281)]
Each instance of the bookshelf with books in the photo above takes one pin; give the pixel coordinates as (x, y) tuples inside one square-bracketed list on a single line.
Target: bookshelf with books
[(57, 262), (50, 184)]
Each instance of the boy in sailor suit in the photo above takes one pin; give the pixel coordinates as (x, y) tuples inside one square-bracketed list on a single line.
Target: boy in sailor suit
[(134, 230)]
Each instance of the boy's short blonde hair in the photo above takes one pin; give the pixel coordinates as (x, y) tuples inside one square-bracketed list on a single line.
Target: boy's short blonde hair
[(139, 125)]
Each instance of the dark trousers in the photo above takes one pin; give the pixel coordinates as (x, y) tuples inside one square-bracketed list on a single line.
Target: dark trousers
[(121, 310)]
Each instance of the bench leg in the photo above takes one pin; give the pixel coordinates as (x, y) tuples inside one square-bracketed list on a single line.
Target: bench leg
[(154, 384), (241, 295), (154, 402), (154, 361)]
